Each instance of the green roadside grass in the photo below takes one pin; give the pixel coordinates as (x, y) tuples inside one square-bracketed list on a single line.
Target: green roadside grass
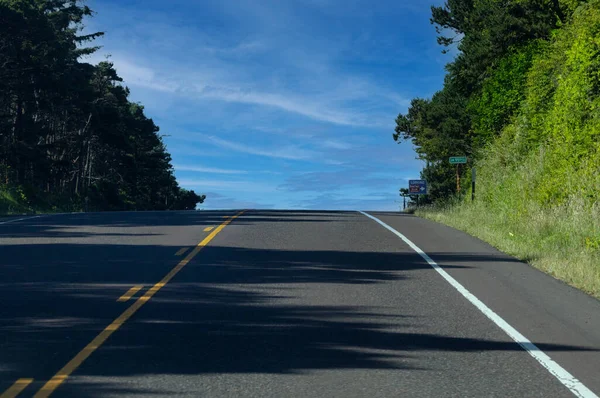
[(562, 241), (14, 201), (11, 205)]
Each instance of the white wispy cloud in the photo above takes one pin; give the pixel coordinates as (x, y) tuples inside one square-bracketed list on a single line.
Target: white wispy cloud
[(213, 170), (285, 152), (206, 85), (240, 49), (227, 186), (306, 106), (279, 65), (285, 67), (134, 74), (322, 94), (323, 181), (334, 144), (346, 201), (216, 201)]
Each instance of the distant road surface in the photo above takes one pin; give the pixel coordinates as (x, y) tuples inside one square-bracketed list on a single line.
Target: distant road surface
[(282, 304)]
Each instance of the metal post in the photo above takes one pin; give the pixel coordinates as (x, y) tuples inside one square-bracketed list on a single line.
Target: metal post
[(473, 184), (404, 207), (458, 177)]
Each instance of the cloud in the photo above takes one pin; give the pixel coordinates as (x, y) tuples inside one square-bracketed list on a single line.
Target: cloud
[(310, 106), (240, 49), (286, 152), (382, 155), (320, 92), (133, 74), (227, 185), (190, 151), (216, 201), (215, 170), (208, 170), (323, 181), (332, 201), (143, 77), (300, 87), (336, 144), (323, 107)]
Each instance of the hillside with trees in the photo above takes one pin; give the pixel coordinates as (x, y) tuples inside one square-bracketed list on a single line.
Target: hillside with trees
[(70, 139), (522, 101)]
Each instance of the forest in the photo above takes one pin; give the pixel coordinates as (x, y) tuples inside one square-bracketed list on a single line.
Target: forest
[(521, 99), (70, 138)]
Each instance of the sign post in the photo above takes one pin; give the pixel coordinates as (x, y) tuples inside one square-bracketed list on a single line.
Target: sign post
[(458, 160), (473, 175), (404, 194), (417, 187)]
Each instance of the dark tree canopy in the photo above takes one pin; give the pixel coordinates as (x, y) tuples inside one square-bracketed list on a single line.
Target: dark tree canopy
[(69, 136)]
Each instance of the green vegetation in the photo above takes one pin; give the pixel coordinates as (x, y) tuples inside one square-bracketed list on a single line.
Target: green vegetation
[(530, 124), (13, 203), (69, 137), (562, 241)]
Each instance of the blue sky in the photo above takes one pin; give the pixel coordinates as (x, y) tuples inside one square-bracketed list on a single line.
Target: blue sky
[(278, 103)]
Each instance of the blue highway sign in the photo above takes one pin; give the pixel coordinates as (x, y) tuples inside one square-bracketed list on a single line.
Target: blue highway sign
[(417, 187)]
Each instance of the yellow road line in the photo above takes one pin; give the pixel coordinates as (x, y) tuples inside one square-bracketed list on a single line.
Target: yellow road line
[(16, 388), (208, 229), (181, 251), (130, 293), (78, 359)]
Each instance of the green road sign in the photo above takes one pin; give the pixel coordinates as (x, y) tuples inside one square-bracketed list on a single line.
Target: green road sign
[(458, 160)]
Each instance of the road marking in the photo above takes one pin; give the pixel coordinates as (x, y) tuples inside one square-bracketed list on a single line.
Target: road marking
[(84, 354), (19, 219), (567, 379), (208, 229), (181, 251), (16, 388), (130, 293)]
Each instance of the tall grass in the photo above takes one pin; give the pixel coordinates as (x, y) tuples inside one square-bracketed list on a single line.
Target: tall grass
[(561, 239)]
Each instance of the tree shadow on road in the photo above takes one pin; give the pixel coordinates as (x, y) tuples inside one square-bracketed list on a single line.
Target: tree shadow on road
[(85, 225), (232, 310)]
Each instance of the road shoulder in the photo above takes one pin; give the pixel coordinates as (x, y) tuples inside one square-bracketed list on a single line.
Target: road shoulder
[(539, 306)]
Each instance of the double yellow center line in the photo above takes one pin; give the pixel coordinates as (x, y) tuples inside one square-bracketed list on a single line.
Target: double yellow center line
[(16, 388), (74, 363), (130, 293)]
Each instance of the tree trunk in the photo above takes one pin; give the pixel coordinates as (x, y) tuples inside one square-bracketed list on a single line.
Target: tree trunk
[(16, 136), (82, 168)]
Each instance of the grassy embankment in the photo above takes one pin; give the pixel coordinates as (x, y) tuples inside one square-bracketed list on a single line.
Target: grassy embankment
[(562, 241), (538, 192)]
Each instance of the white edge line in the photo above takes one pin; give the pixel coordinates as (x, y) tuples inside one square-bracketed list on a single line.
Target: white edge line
[(567, 379), (19, 219)]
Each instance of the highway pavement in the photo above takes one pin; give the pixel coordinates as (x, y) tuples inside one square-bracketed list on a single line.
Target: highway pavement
[(281, 304)]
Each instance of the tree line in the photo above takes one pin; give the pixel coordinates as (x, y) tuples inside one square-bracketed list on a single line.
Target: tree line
[(70, 138), (497, 42)]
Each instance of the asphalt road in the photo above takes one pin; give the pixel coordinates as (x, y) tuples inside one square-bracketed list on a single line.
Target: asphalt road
[(279, 304)]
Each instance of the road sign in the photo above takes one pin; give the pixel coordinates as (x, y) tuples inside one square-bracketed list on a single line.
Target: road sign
[(458, 160), (417, 187)]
